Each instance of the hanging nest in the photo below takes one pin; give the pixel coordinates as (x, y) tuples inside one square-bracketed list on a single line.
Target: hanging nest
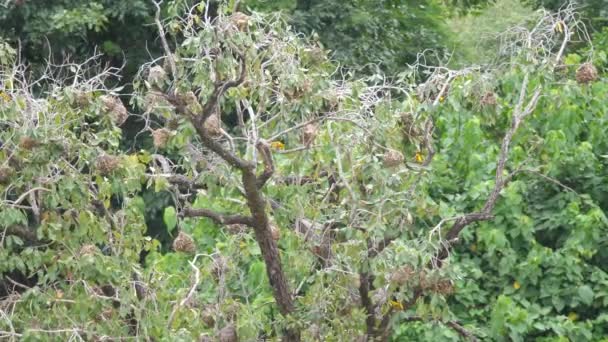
[(113, 106), (402, 275), (228, 334), (5, 174), (314, 332), (488, 99), (203, 337), (380, 296), (189, 98), (309, 133), (173, 123), (106, 314), (323, 252), (240, 20), (160, 137), (213, 126), (333, 101), (275, 232), (444, 287), (315, 54), (236, 229), (219, 267), (82, 99), (208, 317), (167, 65), (586, 73), (392, 158), (28, 143), (151, 101), (230, 310), (106, 164), (157, 76), (87, 250), (408, 124), (184, 243)]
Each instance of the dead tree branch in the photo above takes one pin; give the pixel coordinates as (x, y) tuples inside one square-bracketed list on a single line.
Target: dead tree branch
[(222, 219), (500, 181), (462, 331)]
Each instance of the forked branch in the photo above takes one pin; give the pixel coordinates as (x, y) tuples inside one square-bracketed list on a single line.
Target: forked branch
[(500, 181)]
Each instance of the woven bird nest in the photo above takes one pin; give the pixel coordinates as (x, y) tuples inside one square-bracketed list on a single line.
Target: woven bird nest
[(113, 106), (213, 126), (275, 232), (184, 243), (28, 143), (392, 158), (5, 174), (157, 76), (160, 137), (87, 250), (309, 133), (586, 73), (488, 99), (106, 164), (240, 20)]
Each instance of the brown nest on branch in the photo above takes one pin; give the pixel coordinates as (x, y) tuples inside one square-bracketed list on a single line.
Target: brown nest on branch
[(586, 73)]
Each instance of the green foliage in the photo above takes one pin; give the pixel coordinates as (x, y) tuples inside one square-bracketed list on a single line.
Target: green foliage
[(536, 271), (78, 28), (473, 40), (170, 218), (371, 35)]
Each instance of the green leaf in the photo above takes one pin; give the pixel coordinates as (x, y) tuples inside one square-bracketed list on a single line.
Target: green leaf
[(586, 294), (170, 218), (256, 275)]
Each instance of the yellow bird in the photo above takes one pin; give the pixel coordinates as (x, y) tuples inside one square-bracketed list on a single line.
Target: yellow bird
[(277, 145), (396, 305)]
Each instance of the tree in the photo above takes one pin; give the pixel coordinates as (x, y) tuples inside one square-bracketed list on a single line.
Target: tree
[(329, 210)]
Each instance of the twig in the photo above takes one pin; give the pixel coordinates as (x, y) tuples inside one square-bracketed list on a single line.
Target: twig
[(223, 219), (462, 331), (500, 180), (163, 39), (197, 279), (550, 179), (264, 150), (26, 194)]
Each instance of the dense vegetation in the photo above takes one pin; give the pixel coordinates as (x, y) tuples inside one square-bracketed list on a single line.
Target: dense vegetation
[(247, 182)]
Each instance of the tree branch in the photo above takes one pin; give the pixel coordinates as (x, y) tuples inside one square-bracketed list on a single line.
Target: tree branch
[(219, 218), (451, 324), (268, 163), (220, 88), (365, 280), (184, 182), (21, 231), (197, 277), (163, 39), (500, 181)]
